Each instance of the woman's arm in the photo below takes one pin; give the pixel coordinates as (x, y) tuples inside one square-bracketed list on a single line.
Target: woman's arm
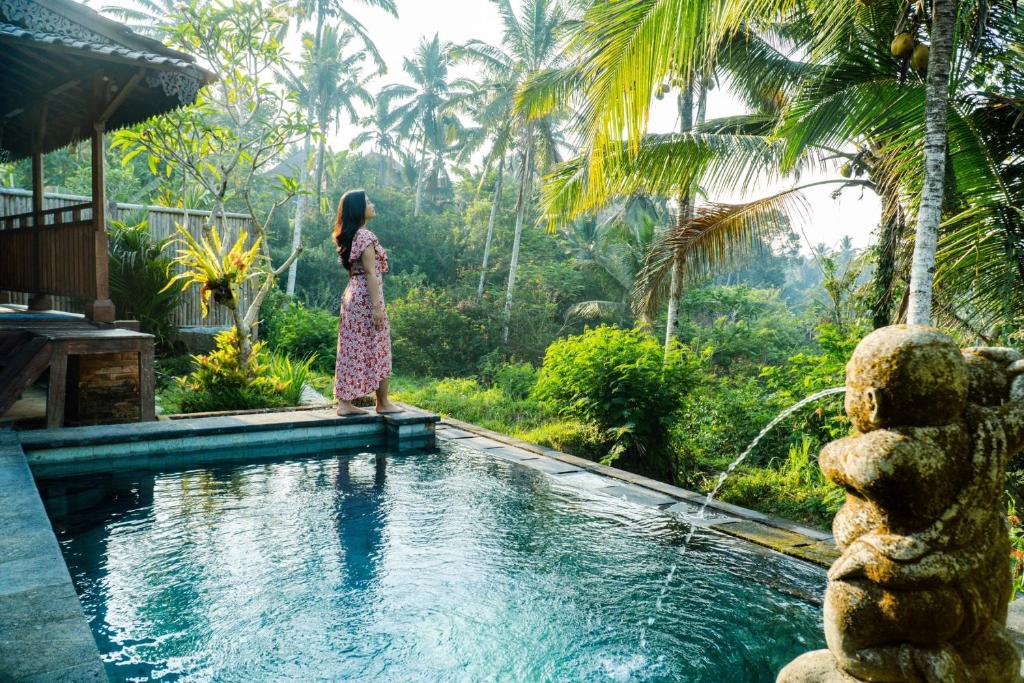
[(373, 285)]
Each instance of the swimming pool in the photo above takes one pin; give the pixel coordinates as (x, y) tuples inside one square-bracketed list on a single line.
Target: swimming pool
[(441, 566)]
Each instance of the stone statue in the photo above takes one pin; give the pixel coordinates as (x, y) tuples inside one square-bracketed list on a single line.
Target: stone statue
[(920, 592)]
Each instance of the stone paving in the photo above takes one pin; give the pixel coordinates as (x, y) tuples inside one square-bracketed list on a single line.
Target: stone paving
[(43, 633)]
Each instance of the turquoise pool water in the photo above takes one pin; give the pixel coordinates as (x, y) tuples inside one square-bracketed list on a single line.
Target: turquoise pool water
[(444, 566)]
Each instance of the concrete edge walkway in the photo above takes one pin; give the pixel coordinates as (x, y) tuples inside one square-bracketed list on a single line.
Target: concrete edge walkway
[(782, 535), (44, 635)]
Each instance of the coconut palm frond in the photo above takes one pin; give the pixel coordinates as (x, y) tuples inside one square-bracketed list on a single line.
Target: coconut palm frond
[(597, 310), (664, 165), (716, 238)]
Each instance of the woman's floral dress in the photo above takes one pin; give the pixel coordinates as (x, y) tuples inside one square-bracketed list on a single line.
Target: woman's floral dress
[(364, 353)]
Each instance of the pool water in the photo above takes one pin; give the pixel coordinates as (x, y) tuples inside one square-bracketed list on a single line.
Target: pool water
[(442, 566)]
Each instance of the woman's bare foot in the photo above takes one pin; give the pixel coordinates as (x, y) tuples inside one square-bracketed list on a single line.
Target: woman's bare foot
[(346, 408), (388, 407)]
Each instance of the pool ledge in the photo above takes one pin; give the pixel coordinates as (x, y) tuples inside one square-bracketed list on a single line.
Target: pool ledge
[(202, 440), (44, 635), (782, 535)]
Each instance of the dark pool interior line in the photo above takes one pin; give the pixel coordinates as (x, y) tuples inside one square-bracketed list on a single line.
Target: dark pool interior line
[(444, 565)]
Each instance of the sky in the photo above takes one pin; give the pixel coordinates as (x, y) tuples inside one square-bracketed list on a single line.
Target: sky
[(853, 213)]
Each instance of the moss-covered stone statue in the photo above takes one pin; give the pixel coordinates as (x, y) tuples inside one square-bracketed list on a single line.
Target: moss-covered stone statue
[(921, 590)]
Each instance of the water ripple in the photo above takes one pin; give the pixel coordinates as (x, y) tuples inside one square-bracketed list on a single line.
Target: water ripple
[(446, 566)]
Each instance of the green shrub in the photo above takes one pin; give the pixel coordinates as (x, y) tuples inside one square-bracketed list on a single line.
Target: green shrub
[(808, 372), (220, 380), (466, 399), (291, 328), (626, 385), (1016, 547), (431, 337), (570, 436), (168, 368), (720, 417), (139, 272), (516, 380)]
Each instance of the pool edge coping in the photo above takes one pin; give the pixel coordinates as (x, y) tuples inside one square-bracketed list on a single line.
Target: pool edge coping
[(779, 534), (46, 635)]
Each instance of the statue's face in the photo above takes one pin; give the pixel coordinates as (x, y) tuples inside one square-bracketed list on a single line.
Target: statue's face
[(904, 375), (865, 402)]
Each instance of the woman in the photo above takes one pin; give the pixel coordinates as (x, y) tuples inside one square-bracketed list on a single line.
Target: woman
[(364, 335)]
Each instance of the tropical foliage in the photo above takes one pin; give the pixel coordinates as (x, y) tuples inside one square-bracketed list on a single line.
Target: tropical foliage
[(544, 237), (139, 272)]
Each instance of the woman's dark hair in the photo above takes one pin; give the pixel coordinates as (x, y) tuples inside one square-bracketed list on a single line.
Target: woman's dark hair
[(351, 217)]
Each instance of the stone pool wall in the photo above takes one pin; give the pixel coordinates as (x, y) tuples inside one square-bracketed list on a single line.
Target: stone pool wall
[(44, 635), (782, 535)]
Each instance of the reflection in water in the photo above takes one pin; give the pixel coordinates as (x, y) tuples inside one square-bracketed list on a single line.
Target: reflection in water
[(360, 514), (414, 567)]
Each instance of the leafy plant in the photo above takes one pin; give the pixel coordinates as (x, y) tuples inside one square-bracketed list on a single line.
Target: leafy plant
[(516, 380), (624, 383), (139, 273), (291, 328), (1017, 547), (225, 379), (431, 337), (796, 488), (219, 274), (225, 143)]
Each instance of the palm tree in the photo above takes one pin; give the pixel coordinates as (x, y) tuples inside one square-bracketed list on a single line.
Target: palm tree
[(147, 17), (328, 83), (490, 104), (321, 10), (340, 82), (379, 131), (424, 113), (848, 92), (616, 242), (531, 45), (935, 112)]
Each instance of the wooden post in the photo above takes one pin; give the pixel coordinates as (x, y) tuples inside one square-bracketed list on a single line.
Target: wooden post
[(101, 309), (38, 301), (58, 384)]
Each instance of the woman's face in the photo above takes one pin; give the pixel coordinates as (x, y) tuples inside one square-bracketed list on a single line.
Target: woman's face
[(371, 210)]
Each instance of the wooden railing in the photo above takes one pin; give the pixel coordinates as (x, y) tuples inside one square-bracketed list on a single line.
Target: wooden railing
[(163, 222), (60, 215), (53, 252)]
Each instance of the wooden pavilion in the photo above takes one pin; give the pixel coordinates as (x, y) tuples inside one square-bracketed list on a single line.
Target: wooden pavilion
[(68, 74)]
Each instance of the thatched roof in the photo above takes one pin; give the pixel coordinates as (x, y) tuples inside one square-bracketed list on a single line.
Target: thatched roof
[(63, 67)]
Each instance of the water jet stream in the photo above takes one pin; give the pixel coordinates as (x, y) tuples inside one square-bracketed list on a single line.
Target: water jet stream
[(721, 482)]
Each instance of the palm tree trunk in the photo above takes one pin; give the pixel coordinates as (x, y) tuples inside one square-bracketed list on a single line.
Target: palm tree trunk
[(421, 171), (320, 170), (300, 210), (682, 216), (922, 270), (525, 182), (891, 229), (490, 225)]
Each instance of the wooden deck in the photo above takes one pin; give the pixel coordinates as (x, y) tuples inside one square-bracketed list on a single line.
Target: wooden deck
[(36, 342)]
